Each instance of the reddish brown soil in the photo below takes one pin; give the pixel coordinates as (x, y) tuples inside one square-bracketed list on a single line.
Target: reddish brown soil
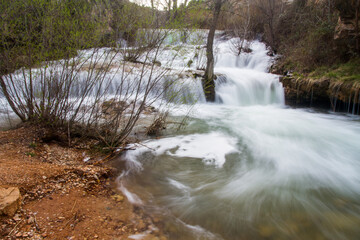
[(63, 197)]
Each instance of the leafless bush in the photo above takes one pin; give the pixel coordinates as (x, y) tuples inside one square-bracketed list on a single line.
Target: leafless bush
[(242, 30), (95, 93)]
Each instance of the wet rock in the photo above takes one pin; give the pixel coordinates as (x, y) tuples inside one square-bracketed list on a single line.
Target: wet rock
[(10, 200), (321, 93), (306, 92)]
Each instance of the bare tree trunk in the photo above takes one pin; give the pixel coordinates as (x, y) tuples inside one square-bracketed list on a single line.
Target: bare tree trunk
[(154, 13), (175, 8), (271, 24), (208, 80), (169, 9)]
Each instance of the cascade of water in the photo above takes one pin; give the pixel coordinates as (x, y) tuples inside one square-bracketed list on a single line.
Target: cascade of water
[(354, 105), (250, 168), (348, 110), (247, 81), (358, 109)]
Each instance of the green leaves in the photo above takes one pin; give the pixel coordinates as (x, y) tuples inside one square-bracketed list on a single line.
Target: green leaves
[(41, 30)]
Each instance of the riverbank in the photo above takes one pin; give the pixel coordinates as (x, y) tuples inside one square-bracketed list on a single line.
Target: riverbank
[(66, 193), (334, 88)]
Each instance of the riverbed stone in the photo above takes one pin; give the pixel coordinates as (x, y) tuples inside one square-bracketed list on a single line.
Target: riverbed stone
[(10, 200)]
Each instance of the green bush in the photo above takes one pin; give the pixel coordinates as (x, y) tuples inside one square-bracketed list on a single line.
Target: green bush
[(33, 31)]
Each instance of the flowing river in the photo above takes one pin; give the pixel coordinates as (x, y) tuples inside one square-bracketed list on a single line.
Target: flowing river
[(248, 167)]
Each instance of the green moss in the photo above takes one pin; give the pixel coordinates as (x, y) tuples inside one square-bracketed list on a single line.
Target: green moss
[(298, 75), (30, 154), (347, 72), (353, 78)]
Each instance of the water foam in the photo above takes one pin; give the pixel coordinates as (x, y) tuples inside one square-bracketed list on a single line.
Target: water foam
[(199, 146), (276, 167)]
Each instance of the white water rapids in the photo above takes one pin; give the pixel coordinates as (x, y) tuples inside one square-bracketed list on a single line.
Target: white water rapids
[(248, 167)]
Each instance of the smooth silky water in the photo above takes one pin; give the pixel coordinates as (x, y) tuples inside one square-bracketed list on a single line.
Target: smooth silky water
[(247, 167)]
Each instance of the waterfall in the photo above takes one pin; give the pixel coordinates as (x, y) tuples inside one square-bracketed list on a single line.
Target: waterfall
[(247, 81), (247, 167)]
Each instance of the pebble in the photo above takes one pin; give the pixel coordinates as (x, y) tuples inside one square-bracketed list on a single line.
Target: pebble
[(118, 198), (17, 217)]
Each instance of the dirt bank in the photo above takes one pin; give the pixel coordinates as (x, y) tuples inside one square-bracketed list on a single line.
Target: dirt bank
[(64, 197)]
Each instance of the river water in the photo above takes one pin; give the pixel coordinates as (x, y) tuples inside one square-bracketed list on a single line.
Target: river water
[(248, 167)]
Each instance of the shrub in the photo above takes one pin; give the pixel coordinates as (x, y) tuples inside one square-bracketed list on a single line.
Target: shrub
[(55, 73)]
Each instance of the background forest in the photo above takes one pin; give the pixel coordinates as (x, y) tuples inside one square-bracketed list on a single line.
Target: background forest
[(306, 33)]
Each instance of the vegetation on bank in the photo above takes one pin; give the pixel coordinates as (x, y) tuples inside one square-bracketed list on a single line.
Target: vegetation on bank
[(304, 34), (347, 72), (308, 36), (54, 71), (318, 48)]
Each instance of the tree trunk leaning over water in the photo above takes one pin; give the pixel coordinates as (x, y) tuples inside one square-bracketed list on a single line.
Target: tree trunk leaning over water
[(208, 80)]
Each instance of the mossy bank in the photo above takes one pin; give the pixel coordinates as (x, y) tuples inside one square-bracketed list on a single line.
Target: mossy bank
[(336, 88)]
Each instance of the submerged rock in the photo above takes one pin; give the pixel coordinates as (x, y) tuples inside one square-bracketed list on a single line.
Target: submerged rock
[(10, 200)]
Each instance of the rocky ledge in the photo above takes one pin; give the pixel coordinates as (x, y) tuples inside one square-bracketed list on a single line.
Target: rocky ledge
[(322, 93)]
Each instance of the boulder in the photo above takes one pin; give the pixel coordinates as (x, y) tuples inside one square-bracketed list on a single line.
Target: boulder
[(10, 200)]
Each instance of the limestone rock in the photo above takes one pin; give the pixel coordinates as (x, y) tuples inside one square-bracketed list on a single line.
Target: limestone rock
[(345, 28), (306, 92), (10, 200)]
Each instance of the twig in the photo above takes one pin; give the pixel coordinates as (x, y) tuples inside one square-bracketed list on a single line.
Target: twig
[(146, 146), (73, 206), (74, 217), (180, 123), (14, 228), (108, 157), (36, 224), (126, 149)]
